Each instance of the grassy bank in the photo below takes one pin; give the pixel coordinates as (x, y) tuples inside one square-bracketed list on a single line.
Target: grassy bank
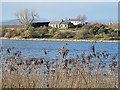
[(54, 39), (85, 33)]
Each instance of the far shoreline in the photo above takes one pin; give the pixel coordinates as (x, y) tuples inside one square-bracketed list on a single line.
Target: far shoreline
[(53, 39)]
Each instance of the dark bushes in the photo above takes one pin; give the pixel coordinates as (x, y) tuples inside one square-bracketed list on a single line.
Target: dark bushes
[(10, 33), (68, 34), (40, 32), (53, 31), (82, 34), (93, 32)]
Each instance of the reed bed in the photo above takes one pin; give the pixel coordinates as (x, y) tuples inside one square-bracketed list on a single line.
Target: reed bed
[(79, 71)]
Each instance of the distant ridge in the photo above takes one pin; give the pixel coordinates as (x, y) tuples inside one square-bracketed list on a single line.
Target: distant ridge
[(9, 22), (15, 22)]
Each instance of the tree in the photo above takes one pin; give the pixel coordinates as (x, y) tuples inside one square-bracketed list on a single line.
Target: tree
[(26, 17), (82, 18)]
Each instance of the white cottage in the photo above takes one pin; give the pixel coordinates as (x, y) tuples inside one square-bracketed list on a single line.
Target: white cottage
[(66, 24), (55, 24)]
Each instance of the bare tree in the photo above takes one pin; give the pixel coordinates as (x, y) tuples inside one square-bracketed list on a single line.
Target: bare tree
[(26, 17), (82, 18)]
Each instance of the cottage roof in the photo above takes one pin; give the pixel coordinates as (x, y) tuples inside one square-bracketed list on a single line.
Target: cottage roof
[(65, 22), (75, 20), (55, 22)]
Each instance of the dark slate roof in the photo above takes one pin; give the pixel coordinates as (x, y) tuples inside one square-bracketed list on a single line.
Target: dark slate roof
[(65, 22), (16, 22), (55, 22), (74, 20)]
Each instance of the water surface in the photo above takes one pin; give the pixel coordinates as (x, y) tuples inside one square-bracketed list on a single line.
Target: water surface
[(36, 48)]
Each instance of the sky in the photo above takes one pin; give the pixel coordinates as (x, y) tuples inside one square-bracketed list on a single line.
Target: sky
[(59, 0), (94, 11)]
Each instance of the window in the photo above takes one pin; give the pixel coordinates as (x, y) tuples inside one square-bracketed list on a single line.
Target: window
[(56, 25), (65, 25)]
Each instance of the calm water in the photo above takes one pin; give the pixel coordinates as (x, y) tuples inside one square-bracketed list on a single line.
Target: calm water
[(35, 48)]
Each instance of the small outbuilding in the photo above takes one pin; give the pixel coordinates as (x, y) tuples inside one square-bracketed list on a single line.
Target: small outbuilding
[(36, 24)]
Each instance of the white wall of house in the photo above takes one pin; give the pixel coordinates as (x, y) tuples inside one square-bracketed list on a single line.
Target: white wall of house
[(63, 26), (54, 25), (76, 22)]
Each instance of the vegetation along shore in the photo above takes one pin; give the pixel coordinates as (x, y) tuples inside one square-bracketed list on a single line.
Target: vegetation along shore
[(85, 33), (94, 70)]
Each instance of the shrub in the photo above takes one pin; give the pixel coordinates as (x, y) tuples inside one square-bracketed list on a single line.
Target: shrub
[(98, 36), (3, 31), (58, 34), (38, 34), (101, 30), (113, 33), (82, 34), (68, 34), (92, 31), (95, 29), (118, 32), (15, 33), (41, 32), (27, 34), (86, 27), (52, 31), (8, 34)]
